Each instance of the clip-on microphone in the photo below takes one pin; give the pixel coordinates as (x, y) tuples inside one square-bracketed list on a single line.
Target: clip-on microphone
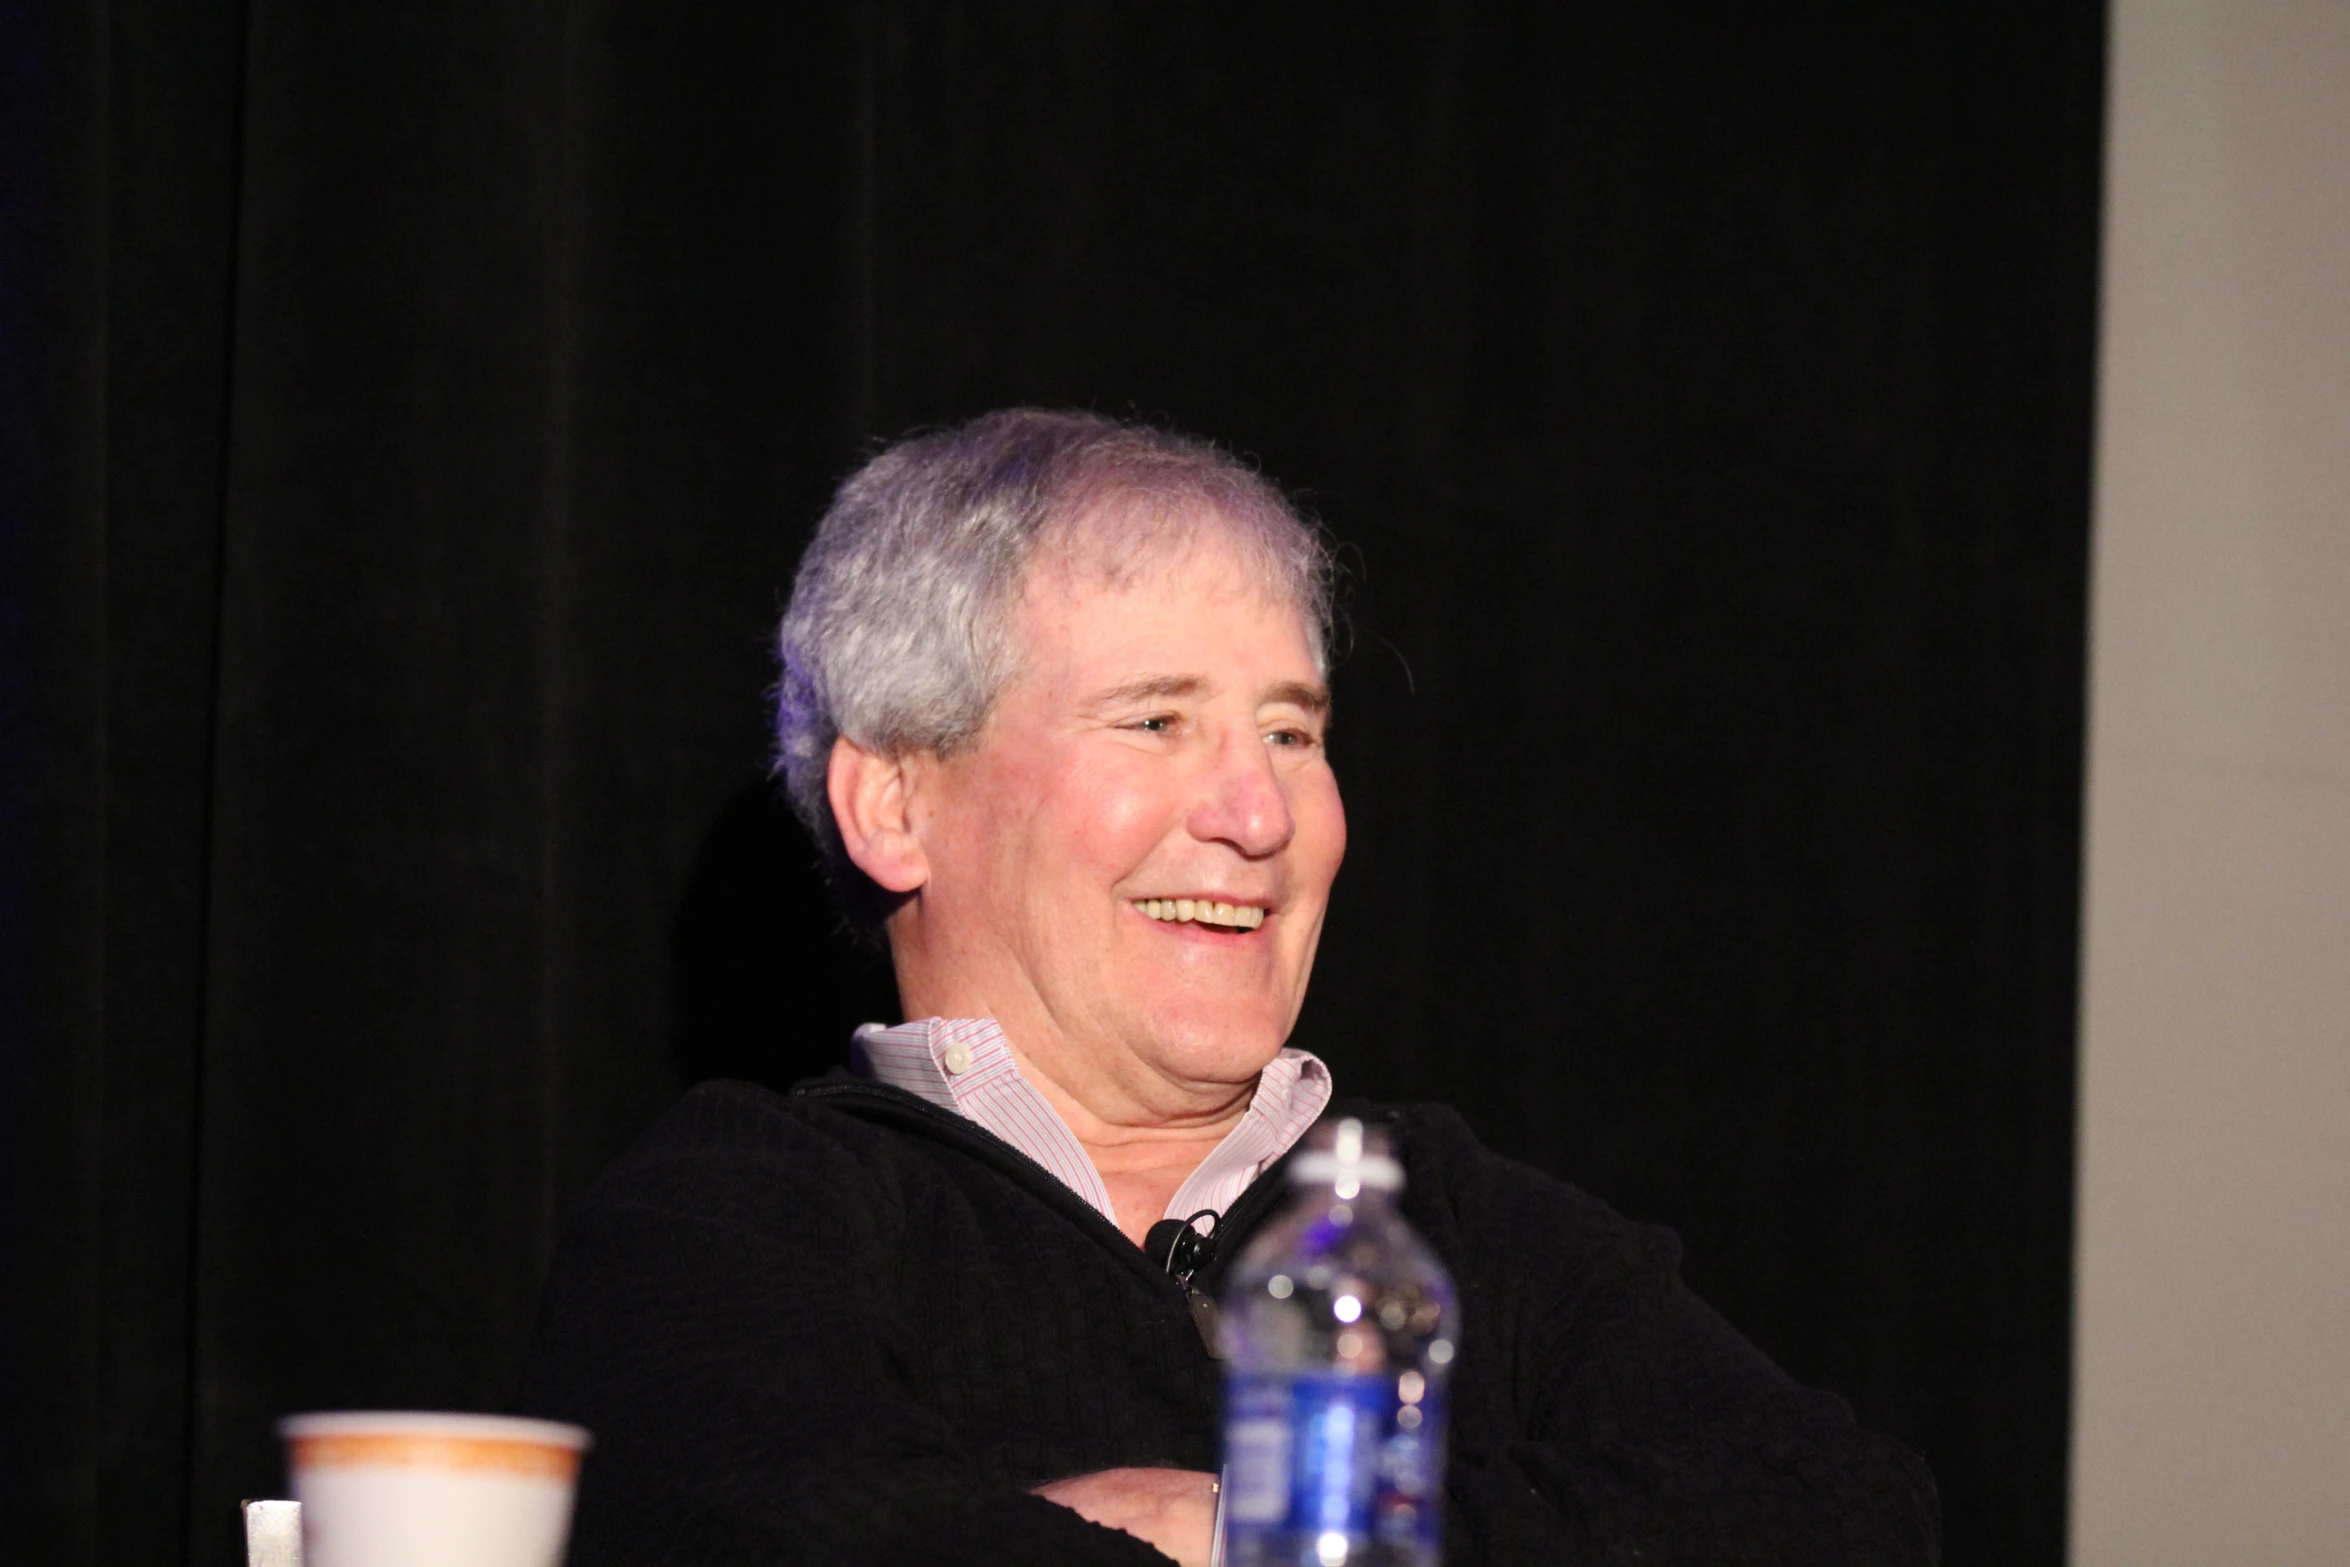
[(1179, 1249)]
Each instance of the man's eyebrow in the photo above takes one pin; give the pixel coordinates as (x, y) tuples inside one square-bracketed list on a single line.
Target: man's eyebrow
[(1313, 697), (1150, 688)]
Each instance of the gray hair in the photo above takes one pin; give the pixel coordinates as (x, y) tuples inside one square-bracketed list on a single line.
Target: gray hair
[(899, 631)]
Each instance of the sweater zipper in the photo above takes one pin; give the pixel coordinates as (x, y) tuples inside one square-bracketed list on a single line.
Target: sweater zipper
[(1232, 1225)]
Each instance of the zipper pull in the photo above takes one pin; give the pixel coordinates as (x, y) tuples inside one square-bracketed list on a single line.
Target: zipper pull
[(1206, 1318)]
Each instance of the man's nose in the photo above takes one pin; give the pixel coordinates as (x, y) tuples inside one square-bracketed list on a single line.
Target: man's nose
[(1243, 802)]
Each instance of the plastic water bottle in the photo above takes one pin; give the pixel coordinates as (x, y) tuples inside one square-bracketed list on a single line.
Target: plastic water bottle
[(1338, 1328)]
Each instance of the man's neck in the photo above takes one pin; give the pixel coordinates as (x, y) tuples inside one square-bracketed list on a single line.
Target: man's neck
[(1133, 1173), (1141, 1163)]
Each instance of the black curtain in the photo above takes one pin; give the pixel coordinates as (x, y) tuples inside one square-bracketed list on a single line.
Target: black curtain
[(413, 413)]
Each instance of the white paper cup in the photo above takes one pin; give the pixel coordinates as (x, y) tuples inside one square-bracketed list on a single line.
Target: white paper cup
[(408, 1489)]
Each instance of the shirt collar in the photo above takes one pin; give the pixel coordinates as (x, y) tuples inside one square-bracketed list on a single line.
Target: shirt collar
[(965, 1066)]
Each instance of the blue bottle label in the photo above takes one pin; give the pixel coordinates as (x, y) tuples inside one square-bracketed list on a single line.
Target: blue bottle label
[(1318, 1466)]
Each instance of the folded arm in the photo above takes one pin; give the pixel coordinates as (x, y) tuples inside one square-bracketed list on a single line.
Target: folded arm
[(1624, 1420), (744, 1380)]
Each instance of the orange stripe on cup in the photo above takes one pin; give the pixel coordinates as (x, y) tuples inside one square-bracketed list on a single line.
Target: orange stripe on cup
[(422, 1450)]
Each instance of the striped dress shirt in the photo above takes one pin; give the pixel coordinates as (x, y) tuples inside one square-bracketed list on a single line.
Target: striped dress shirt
[(963, 1064)]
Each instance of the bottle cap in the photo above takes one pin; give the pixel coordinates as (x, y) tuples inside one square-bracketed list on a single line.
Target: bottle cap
[(1345, 1153)]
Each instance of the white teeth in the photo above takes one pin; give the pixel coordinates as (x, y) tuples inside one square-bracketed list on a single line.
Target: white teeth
[(1240, 916)]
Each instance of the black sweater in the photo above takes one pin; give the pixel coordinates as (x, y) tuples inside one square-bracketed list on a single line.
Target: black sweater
[(849, 1327)]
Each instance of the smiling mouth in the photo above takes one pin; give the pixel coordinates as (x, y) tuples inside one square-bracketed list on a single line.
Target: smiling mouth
[(1200, 911)]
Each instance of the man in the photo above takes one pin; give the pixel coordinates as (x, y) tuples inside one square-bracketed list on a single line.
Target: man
[(1054, 700)]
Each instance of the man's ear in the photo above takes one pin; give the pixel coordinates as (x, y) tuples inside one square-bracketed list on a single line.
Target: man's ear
[(870, 796)]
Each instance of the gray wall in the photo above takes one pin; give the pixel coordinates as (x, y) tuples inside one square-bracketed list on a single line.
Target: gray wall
[(2212, 1401)]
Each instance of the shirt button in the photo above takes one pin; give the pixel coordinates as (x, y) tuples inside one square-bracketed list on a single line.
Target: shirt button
[(958, 1058)]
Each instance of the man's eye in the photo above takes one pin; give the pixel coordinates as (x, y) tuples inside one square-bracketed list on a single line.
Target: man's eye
[(1289, 737), (1155, 726)]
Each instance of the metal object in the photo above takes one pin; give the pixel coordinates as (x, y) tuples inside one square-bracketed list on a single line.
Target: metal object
[(273, 1534)]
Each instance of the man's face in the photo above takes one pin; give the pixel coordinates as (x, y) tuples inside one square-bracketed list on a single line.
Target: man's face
[(1158, 752)]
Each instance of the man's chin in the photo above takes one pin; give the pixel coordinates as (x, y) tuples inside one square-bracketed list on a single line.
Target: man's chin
[(1215, 1050)]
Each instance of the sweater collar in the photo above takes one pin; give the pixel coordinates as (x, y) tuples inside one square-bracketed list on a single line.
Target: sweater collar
[(966, 1066)]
